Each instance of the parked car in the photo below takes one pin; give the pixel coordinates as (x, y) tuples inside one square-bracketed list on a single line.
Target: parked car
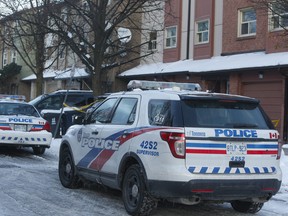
[(22, 126), (50, 106), (182, 145)]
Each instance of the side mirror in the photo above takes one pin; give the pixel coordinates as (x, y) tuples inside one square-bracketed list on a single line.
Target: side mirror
[(78, 119)]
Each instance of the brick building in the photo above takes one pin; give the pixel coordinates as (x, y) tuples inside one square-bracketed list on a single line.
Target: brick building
[(228, 46)]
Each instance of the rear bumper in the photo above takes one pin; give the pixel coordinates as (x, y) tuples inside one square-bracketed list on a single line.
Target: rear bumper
[(216, 190), (29, 139)]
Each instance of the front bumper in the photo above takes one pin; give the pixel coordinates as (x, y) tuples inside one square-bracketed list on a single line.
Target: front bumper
[(216, 190)]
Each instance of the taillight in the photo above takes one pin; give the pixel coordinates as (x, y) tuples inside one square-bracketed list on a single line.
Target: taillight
[(279, 149), (176, 142), (47, 126), (5, 128)]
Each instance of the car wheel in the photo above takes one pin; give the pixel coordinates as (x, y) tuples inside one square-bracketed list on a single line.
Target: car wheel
[(246, 207), (136, 199), (39, 150), (66, 170)]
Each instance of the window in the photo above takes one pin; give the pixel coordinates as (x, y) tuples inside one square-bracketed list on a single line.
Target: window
[(202, 32), (103, 113), (171, 37), (152, 45), (223, 114), (125, 112), (5, 58), (13, 56), (279, 16), (165, 113), (247, 24)]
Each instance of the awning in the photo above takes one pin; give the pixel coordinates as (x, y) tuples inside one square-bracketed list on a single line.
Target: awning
[(214, 64), (60, 74)]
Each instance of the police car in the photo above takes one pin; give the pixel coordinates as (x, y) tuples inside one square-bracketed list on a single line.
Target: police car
[(22, 126), (171, 141)]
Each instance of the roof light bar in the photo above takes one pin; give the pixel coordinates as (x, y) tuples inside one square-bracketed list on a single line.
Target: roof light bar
[(150, 85), (12, 97)]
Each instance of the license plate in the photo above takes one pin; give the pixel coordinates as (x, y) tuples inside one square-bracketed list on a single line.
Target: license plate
[(236, 149), (20, 127)]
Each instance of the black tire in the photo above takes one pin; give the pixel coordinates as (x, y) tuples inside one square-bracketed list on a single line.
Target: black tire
[(247, 207), (66, 170), (39, 150), (136, 199)]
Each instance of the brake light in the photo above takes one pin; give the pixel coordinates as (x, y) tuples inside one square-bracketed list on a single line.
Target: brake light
[(47, 126), (176, 142)]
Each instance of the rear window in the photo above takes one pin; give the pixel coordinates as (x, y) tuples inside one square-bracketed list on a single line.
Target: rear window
[(223, 114)]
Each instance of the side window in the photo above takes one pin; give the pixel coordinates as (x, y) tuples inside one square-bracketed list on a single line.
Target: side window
[(165, 113), (76, 100), (103, 113), (125, 111), (53, 102)]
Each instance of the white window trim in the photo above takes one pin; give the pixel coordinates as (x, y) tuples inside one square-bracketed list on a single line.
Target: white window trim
[(170, 47), (13, 55), (271, 23), (152, 42), (197, 32), (5, 58), (240, 13)]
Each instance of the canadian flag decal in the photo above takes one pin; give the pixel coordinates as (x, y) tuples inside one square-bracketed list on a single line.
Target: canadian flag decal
[(273, 135)]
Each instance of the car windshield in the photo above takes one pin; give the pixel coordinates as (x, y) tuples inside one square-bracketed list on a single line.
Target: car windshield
[(18, 109), (223, 114)]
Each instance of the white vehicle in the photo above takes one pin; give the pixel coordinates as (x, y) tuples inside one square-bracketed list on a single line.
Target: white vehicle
[(184, 146), (22, 126)]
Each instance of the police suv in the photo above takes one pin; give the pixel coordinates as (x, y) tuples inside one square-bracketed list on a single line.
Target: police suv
[(171, 141)]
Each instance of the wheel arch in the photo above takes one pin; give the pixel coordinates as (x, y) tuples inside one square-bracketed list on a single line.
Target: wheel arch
[(63, 145), (129, 159)]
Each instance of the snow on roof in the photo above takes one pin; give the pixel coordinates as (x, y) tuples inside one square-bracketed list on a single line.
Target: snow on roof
[(59, 74), (217, 63)]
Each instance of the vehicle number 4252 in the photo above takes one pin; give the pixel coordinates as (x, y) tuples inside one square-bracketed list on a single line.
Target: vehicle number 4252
[(149, 145)]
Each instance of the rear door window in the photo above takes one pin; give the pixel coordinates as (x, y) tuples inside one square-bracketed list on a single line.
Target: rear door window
[(223, 114)]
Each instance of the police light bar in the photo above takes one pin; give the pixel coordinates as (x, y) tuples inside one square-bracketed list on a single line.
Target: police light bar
[(12, 97), (150, 85)]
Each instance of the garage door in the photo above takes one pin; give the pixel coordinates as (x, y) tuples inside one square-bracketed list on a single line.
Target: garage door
[(271, 98)]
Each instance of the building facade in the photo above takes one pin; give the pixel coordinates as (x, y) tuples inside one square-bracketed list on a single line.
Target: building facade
[(227, 46)]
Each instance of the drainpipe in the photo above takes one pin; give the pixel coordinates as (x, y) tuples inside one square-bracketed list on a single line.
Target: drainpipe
[(188, 29)]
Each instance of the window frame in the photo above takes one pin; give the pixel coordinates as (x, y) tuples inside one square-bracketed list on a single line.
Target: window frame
[(5, 57), (152, 45), (13, 55), (249, 22), (272, 14), (170, 38), (197, 32)]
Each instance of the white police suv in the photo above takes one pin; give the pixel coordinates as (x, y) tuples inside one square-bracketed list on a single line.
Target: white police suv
[(184, 146), (22, 126)]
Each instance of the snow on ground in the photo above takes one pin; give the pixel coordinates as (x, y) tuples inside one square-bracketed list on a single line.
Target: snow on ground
[(29, 186)]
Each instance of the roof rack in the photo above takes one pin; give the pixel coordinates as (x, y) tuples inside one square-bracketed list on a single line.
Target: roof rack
[(155, 85), (12, 97)]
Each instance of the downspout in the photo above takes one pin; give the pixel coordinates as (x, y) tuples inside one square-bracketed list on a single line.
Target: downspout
[(188, 29)]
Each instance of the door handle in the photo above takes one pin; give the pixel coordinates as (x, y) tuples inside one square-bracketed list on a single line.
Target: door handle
[(95, 132)]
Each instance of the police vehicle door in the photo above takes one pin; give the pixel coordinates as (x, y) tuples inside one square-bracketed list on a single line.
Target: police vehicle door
[(118, 134), (92, 141)]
